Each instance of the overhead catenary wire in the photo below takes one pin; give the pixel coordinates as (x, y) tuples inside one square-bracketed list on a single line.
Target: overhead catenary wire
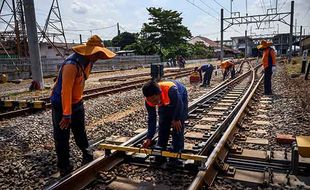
[(305, 14), (209, 7), (282, 5), (202, 10), (221, 6), (91, 29)]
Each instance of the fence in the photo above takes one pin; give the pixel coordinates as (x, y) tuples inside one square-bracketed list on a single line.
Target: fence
[(21, 68)]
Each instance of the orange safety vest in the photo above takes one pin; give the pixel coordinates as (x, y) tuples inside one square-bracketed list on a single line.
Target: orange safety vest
[(226, 64), (265, 60), (164, 87)]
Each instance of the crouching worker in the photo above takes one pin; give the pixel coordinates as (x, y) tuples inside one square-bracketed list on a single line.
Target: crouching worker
[(67, 104), (228, 66), (171, 99)]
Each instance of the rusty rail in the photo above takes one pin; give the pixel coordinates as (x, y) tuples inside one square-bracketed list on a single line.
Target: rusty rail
[(219, 153)]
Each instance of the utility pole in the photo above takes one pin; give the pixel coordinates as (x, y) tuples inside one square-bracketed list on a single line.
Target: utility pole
[(295, 36), (118, 31), (34, 51), (291, 31), (231, 8), (222, 33), (246, 45), (300, 35)]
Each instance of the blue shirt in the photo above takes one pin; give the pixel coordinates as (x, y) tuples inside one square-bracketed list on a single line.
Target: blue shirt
[(176, 110)]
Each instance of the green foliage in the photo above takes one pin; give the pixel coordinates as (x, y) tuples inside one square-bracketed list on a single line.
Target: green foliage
[(124, 39), (107, 43), (165, 28), (142, 47)]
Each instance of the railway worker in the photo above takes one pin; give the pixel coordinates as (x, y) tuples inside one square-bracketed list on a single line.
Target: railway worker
[(67, 104), (269, 63), (171, 99), (195, 78), (207, 69), (228, 66)]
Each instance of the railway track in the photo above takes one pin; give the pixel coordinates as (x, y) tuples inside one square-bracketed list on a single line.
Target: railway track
[(93, 93), (209, 118)]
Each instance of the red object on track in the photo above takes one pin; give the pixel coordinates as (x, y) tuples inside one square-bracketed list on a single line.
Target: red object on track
[(285, 139)]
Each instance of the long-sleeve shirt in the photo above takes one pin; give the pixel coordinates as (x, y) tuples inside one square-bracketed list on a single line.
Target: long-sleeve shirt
[(70, 83), (176, 110)]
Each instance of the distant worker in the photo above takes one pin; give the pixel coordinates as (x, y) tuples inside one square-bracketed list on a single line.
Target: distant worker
[(228, 66), (207, 69), (181, 62), (67, 104), (195, 78), (171, 99), (269, 63)]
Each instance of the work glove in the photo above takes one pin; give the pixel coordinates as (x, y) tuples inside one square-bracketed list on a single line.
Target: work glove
[(65, 123), (147, 143), (274, 69)]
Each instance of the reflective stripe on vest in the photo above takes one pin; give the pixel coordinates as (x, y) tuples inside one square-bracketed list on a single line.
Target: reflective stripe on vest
[(164, 87)]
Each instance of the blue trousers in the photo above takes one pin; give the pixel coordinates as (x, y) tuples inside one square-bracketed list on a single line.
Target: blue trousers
[(164, 133)]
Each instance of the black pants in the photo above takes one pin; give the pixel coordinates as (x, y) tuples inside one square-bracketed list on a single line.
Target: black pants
[(207, 77), (267, 81), (62, 136)]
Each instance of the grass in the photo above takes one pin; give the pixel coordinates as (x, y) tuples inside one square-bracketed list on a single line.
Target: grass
[(295, 66)]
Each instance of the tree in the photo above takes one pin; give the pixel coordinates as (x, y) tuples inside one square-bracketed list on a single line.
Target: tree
[(124, 39), (165, 28), (107, 43), (142, 47)]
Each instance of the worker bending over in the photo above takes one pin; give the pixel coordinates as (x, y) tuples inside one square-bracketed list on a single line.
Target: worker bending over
[(171, 99), (228, 66), (207, 69)]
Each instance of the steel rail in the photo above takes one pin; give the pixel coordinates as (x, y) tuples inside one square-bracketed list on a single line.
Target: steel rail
[(207, 176), (93, 93), (86, 174)]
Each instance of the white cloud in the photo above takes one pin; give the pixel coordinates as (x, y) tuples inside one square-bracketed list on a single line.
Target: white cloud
[(79, 7)]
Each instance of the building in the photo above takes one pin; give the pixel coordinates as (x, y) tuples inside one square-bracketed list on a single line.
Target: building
[(228, 52), (241, 42), (281, 43)]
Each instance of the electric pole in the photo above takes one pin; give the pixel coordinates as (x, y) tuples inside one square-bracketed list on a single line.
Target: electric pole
[(222, 33), (34, 51), (118, 31)]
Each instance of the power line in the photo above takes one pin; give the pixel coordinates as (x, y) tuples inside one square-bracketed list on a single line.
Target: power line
[(209, 7), (202, 10), (305, 14), (80, 30), (221, 6), (283, 5), (263, 3)]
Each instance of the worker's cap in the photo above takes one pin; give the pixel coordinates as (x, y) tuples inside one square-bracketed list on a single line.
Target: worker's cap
[(264, 44), (93, 46)]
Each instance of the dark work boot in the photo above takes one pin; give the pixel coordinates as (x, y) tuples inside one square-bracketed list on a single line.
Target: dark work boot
[(87, 157), (65, 171)]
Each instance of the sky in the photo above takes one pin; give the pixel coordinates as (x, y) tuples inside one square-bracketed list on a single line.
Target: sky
[(88, 17)]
